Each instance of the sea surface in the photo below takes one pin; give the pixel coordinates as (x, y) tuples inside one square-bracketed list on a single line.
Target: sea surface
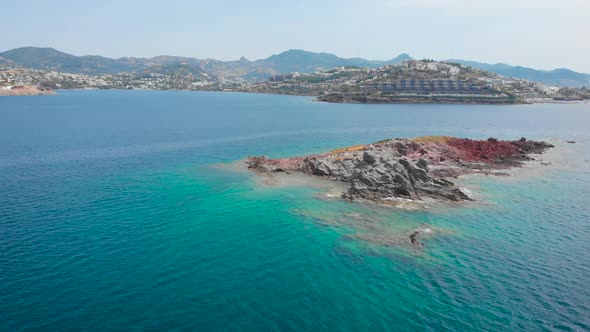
[(123, 210)]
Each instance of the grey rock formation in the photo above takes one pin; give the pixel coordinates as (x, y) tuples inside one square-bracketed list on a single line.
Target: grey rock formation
[(402, 168), (382, 175)]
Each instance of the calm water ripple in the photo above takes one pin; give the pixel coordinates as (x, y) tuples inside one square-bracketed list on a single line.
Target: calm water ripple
[(114, 215)]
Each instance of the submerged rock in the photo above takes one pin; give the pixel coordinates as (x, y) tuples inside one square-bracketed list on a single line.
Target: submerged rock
[(413, 239), (403, 168)]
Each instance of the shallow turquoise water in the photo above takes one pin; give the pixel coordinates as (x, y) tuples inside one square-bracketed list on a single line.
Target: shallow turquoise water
[(116, 214)]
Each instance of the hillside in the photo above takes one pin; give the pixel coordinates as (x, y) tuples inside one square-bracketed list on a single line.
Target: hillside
[(253, 71), (242, 69), (52, 59), (309, 62), (414, 81), (559, 77)]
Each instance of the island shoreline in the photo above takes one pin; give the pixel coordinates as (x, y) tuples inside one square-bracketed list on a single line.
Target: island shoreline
[(419, 169)]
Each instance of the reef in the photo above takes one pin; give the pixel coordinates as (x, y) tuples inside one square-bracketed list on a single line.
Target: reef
[(416, 169)]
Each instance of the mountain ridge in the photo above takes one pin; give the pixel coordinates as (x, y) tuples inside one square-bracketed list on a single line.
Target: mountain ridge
[(293, 60), (558, 76)]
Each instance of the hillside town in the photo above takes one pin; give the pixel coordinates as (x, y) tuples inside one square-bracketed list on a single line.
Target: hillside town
[(412, 81), (19, 76), (417, 82)]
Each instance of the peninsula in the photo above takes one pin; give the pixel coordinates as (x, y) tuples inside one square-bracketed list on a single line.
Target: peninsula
[(417, 169)]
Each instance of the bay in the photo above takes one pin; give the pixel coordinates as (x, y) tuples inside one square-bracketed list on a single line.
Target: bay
[(118, 211)]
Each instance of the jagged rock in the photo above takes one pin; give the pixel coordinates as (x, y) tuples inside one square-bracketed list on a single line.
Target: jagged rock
[(422, 163), (261, 163), (407, 168), (370, 157), (323, 169), (413, 239)]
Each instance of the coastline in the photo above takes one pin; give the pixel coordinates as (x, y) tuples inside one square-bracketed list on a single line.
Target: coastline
[(317, 98), (25, 90)]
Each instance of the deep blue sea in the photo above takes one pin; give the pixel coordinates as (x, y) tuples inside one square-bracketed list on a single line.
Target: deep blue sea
[(119, 211)]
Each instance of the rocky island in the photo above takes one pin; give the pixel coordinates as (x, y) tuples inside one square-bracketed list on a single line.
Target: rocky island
[(417, 169)]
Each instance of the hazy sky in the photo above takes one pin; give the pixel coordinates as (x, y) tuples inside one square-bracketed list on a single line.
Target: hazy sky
[(538, 33)]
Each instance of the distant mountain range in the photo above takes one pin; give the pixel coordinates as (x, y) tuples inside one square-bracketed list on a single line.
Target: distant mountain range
[(560, 77), (258, 70), (286, 62)]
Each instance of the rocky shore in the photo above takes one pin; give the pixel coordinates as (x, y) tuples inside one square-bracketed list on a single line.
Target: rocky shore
[(416, 169), (25, 90), (384, 99)]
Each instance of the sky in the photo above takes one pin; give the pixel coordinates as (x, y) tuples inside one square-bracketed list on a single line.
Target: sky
[(543, 34)]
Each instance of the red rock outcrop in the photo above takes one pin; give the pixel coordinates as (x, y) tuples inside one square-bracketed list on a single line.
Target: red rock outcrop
[(407, 168)]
